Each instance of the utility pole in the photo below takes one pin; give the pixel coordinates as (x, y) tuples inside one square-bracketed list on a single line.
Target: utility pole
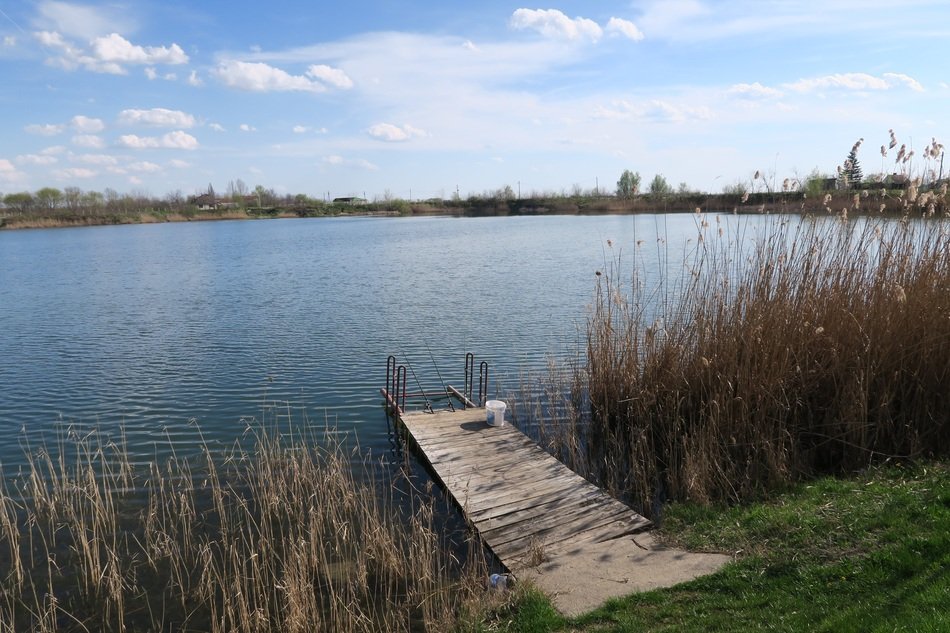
[(519, 189)]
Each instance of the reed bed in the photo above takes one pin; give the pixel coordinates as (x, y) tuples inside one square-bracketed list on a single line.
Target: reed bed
[(279, 536), (823, 348)]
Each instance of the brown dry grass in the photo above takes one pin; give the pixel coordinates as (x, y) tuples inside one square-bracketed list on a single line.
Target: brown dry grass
[(823, 349), (280, 537)]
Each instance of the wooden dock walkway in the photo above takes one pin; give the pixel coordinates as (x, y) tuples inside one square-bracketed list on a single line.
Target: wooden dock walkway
[(544, 522), (521, 500)]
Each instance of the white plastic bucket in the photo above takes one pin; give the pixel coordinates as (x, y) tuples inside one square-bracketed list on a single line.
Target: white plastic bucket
[(495, 412)]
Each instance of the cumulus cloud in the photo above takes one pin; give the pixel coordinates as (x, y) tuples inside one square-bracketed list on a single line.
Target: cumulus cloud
[(115, 48), (144, 167), (172, 140), (260, 77), (36, 159), (88, 140), (157, 117), (86, 124), (339, 161), (217, 127), (152, 75), (96, 159), (328, 75), (46, 129), (394, 133), (71, 173), (244, 127), (754, 91), (897, 78), (624, 28), (108, 54), (855, 81), (9, 173), (301, 129), (554, 24), (194, 79)]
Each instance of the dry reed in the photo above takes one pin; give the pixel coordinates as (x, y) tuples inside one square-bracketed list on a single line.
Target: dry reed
[(282, 536), (824, 348)]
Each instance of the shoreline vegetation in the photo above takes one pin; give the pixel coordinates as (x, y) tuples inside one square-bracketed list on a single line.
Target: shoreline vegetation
[(806, 349), (53, 210), (283, 534)]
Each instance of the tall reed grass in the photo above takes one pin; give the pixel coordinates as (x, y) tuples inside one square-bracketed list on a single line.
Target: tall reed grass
[(282, 536), (822, 348)]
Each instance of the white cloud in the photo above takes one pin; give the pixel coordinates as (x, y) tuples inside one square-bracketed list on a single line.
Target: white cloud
[(89, 140), (217, 127), (9, 173), (72, 173), (624, 28), (657, 110), (855, 81), (9, 40), (177, 163), (144, 167), (47, 129), (157, 117), (333, 76), (754, 91), (301, 129), (172, 140), (115, 48), (244, 127), (152, 75), (393, 133), (260, 77), (52, 39), (108, 54), (339, 161), (96, 159), (36, 159), (86, 124), (898, 78), (554, 24), (194, 79)]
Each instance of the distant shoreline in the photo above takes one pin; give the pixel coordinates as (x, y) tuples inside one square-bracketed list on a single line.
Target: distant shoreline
[(834, 202)]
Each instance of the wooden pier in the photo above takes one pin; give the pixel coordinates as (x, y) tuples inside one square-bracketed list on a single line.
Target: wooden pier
[(521, 500), (542, 520)]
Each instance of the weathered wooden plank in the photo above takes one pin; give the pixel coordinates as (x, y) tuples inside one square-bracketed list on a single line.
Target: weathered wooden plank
[(515, 494)]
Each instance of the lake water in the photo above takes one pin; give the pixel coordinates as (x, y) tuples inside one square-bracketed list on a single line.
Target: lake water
[(152, 327)]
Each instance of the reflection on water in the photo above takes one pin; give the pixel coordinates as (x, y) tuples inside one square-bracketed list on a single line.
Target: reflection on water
[(160, 329)]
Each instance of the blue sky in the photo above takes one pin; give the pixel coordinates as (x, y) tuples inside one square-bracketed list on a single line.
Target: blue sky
[(420, 98)]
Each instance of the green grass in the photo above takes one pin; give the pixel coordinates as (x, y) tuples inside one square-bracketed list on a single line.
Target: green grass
[(868, 553)]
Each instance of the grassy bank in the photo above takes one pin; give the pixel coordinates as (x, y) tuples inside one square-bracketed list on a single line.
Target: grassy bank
[(867, 552), (279, 537)]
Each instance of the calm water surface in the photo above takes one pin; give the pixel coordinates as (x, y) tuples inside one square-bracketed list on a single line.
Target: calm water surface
[(151, 327)]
